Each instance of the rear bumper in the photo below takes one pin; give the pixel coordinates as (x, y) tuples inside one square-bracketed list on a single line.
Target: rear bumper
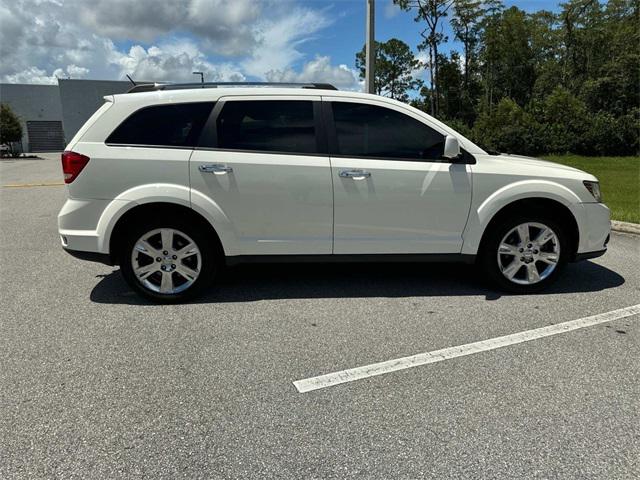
[(86, 225), (78, 224), (96, 257)]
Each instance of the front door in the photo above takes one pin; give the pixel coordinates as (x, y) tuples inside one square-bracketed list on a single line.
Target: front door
[(263, 167), (393, 192)]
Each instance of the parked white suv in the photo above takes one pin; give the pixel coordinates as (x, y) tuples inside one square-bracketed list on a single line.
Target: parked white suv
[(173, 182)]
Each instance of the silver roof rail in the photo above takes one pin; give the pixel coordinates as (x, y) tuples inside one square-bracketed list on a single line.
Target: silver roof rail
[(150, 87)]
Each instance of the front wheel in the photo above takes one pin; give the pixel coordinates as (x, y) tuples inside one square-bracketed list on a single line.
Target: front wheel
[(167, 262), (524, 254)]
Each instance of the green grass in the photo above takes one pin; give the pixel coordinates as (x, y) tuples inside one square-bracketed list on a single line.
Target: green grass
[(619, 181)]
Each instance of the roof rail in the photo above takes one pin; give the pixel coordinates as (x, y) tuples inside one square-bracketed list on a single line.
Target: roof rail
[(149, 87)]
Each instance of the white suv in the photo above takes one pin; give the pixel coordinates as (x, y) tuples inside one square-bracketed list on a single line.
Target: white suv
[(172, 182)]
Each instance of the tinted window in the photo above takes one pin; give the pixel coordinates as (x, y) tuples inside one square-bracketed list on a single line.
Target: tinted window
[(267, 125), (176, 125), (371, 131)]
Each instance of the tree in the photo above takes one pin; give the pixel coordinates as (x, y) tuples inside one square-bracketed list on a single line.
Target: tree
[(566, 121), (466, 26), (452, 99), (508, 128), (576, 13), (431, 12), (537, 82), (10, 128), (395, 64), (601, 60), (467, 23), (508, 57)]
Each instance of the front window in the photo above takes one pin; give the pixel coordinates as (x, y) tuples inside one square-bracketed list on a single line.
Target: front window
[(371, 131)]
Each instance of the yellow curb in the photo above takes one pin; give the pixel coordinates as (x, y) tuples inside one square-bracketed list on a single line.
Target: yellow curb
[(24, 185)]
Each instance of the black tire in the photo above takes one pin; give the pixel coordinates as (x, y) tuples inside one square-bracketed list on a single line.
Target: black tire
[(488, 253), (211, 260)]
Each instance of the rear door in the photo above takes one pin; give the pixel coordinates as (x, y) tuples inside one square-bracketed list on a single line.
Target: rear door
[(394, 193), (262, 160)]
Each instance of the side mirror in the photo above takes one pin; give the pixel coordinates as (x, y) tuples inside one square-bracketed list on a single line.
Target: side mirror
[(451, 148)]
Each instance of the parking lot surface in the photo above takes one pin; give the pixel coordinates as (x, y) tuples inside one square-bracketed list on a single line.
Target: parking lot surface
[(97, 383)]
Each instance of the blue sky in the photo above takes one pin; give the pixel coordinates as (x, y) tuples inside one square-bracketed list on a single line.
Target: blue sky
[(277, 40), (347, 35)]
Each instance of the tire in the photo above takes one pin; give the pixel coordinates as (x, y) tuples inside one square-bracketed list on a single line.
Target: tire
[(518, 259), (158, 260)]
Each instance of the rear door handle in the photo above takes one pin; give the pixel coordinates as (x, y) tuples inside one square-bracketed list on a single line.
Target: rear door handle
[(215, 168), (355, 174)]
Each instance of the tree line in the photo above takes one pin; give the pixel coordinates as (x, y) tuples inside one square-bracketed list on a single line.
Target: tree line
[(531, 83)]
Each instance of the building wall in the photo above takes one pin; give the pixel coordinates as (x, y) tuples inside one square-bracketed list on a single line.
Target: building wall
[(71, 102), (32, 102), (81, 98)]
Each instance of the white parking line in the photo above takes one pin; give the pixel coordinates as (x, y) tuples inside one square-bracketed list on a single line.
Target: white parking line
[(358, 373)]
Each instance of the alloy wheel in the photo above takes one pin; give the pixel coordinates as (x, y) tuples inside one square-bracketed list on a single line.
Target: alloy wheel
[(166, 260), (528, 253)]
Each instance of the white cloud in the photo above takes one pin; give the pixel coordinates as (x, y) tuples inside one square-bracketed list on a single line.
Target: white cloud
[(390, 9), (319, 70), (44, 39), (422, 72), (75, 71), (32, 75), (278, 40), (222, 24), (37, 75), (172, 62)]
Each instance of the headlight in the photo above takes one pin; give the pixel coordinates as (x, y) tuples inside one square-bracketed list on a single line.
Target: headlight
[(594, 189)]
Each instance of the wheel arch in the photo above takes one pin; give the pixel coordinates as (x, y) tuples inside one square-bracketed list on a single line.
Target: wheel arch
[(158, 210), (545, 205)]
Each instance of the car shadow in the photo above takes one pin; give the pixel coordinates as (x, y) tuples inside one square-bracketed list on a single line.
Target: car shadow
[(248, 283)]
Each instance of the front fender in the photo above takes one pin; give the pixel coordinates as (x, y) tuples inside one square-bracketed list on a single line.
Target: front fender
[(484, 209)]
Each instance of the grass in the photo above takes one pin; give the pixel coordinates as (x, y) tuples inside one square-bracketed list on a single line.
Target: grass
[(619, 181)]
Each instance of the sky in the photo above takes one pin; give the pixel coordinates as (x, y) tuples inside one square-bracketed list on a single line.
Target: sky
[(228, 40)]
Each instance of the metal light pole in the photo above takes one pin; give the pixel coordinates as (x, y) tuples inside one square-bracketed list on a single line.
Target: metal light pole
[(201, 76), (370, 54)]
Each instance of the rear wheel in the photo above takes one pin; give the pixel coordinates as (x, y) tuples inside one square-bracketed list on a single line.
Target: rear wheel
[(167, 261), (524, 254)]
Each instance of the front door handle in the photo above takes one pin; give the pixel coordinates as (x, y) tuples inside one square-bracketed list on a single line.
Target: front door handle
[(355, 174), (215, 168)]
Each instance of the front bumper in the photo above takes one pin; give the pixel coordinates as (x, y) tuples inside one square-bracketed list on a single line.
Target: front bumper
[(595, 231), (588, 255)]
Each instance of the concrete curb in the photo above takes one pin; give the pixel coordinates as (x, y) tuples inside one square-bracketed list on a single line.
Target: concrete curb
[(625, 227)]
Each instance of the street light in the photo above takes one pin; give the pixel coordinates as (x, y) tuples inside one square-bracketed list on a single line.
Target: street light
[(201, 76), (370, 55)]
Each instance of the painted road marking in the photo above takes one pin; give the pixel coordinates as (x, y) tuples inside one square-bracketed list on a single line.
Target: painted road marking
[(366, 371), (42, 184)]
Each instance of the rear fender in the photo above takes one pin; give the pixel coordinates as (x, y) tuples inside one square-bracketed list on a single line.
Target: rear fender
[(165, 193)]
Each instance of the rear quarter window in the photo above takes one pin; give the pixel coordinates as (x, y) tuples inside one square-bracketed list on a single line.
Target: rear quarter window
[(173, 125)]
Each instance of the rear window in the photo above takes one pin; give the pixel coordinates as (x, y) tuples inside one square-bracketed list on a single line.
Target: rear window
[(267, 126), (174, 125)]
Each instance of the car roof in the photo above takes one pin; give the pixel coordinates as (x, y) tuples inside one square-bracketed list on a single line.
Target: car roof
[(212, 94)]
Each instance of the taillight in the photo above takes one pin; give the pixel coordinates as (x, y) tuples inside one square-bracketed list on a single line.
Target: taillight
[(72, 165)]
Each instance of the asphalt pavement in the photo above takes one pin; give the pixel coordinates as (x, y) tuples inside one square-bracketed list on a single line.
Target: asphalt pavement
[(97, 383)]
